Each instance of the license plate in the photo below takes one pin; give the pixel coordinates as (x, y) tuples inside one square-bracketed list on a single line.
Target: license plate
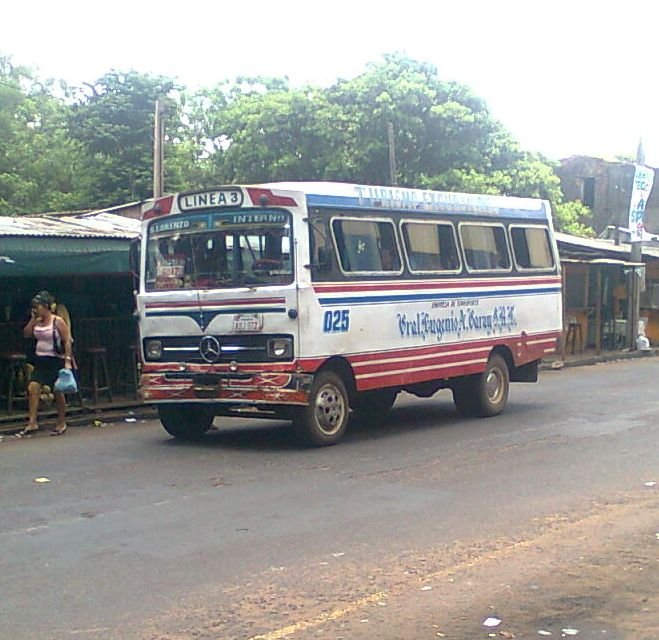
[(247, 322)]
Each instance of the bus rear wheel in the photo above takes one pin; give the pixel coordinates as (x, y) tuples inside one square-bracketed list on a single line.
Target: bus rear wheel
[(371, 406), (184, 421), (485, 394), (323, 421)]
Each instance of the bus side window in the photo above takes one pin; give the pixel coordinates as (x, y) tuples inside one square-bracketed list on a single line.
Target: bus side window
[(532, 248), (485, 247), (431, 247), (366, 246)]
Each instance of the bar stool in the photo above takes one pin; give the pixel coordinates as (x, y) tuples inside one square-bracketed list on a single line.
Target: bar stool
[(14, 377), (574, 333), (97, 377), (131, 380)]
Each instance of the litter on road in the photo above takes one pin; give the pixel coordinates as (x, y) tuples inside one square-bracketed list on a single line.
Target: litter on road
[(491, 622), (42, 480)]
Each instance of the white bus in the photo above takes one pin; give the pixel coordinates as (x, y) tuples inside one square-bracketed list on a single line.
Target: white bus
[(309, 301)]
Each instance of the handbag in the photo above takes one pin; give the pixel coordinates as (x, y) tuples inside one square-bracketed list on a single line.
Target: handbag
[(66, 382), (58, 346)]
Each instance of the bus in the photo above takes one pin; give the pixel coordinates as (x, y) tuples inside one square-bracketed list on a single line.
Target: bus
[(314, 302)]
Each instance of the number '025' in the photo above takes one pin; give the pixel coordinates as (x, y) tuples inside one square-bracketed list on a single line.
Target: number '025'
[(336, 321)]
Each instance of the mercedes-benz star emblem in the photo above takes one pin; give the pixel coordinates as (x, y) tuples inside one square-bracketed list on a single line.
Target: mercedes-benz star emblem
[(209, 348)]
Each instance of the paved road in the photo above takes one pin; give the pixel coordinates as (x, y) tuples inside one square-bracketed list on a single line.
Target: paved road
[(420, 528)]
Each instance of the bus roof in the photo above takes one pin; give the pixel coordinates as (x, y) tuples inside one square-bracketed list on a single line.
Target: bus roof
[(339, 195)]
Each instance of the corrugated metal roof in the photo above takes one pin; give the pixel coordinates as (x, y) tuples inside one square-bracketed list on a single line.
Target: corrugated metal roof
[(94, 225), (604, 246)]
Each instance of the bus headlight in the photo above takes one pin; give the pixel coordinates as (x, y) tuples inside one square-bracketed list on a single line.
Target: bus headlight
[(280, 348), (153, 349)]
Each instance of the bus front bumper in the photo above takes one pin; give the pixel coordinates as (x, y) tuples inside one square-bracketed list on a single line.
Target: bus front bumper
[(270, 388)]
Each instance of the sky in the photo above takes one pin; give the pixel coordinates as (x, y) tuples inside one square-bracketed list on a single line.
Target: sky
[(564, 77)]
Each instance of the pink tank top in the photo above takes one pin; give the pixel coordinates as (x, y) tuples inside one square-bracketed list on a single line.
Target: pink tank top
[(44, 337)]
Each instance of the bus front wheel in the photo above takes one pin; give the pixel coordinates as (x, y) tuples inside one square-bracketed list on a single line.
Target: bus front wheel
[(484, 394), (185, 422), (323, 421)]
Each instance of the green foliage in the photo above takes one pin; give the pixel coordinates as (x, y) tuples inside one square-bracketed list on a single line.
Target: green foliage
[(113, 119), (93, 147), (41, 167), (575, 218)]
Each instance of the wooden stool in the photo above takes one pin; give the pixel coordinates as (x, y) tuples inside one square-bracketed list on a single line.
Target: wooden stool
[(13, 375), (98, 378), (131, 380), (574, 333)]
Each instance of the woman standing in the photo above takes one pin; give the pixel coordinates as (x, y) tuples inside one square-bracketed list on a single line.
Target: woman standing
[(53, 351)]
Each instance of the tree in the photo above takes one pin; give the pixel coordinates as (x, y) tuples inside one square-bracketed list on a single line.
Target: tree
[(94, 147), (41, 167), (260, 129), (113, 119), (575, 218)]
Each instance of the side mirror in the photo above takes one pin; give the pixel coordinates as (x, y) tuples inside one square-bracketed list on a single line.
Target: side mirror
[(134, 255)]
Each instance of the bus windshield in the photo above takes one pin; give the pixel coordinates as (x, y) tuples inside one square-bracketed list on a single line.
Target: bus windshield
[(219, 250)]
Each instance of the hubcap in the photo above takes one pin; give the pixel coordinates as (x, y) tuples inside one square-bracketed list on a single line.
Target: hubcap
[(494, 385), (330, 409)]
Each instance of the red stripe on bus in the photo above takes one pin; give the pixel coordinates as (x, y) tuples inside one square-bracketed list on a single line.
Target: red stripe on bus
[(204, 303), (412, 377), (410, 352), (448, 284)]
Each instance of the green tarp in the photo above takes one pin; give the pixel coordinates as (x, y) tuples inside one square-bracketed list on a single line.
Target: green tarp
[(57, 256)]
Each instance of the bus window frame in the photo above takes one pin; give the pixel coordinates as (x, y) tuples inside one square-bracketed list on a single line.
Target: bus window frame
[(352, 274), (473, 223), (546, 229), (431, 222)]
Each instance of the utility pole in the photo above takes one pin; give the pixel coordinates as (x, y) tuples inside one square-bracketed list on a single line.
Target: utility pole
[(392, 154), (158, 149)]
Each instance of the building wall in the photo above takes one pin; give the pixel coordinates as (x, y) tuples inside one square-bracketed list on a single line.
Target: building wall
[(606, 188)]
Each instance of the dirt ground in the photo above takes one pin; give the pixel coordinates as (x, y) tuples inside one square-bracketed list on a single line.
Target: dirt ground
[(592, 575)]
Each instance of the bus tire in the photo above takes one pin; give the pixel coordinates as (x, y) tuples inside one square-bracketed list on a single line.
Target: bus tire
[(184, 421), (370, 407), (323, 421), (485, 394)]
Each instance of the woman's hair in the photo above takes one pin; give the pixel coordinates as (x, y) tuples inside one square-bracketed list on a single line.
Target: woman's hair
[(44, 298)]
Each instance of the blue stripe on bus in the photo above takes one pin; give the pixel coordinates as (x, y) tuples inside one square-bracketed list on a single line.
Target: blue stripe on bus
[(422, 297)]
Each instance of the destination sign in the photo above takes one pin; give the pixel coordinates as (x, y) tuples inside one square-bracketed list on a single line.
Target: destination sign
[(210, 199), (249, 217), (176, 224)]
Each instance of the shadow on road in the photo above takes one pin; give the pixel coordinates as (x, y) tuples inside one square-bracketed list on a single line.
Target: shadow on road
[(422, 415)]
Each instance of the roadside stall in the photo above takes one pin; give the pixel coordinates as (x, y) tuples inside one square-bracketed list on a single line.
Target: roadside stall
[(83, 261), (599, 281)]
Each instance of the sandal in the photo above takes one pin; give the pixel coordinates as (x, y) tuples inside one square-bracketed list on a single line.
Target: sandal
[(27, 431), (59, 431)]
